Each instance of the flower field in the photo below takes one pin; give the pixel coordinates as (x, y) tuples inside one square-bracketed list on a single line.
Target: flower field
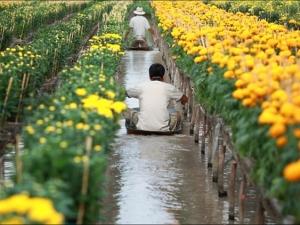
[(247, 71), (17, 20), (242, 57), (283, 12), (64, 172), (25, 68)]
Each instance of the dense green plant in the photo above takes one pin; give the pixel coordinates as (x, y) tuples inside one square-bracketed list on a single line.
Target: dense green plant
[(24, 69), (17, 21), (85, 107)]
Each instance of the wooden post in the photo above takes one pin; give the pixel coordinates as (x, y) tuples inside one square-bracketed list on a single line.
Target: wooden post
[(21, 95), (210, 146), (260, 215), (216, 156), (18, 160), (221, 191), (197, 124), (191, 100), (242, 197), (1, 168), (203, 133), (85, 180), (232, 189), (6, 99), (192, 124)]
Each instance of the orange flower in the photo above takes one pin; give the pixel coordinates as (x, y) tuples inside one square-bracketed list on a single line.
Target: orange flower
[(277, 129), (281, 141), (292, 171)]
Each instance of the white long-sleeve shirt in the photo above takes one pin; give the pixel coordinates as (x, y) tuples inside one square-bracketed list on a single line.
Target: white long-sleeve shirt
[(154, 98)]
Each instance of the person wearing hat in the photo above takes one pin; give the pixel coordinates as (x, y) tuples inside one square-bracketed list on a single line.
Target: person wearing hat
[(139, 25)]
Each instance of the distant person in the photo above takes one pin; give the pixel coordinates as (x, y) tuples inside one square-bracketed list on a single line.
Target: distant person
[(139, 25), (154, 97)]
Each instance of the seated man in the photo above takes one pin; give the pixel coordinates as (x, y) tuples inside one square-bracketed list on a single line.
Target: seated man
[(154, 97), (139, 24)]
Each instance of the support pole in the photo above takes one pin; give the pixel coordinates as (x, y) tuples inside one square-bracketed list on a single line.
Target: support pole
[(221, 191), (197, 124), (232, 189), (260, 211), (210, 141), (203, 133), (242, 197)]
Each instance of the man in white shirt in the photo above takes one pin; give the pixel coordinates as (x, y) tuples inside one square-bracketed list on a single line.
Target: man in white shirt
[(154, 97), (139, 25)]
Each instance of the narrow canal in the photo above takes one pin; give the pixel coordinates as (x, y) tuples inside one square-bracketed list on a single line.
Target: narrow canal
[(159, 179)]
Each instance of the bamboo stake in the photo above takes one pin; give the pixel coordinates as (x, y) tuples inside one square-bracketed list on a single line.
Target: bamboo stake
[(203, 133), (6, 98), (260, 216), (232, 189), (242, 197), (221, 191), (210, 144), (1, 169), (85, 180), (21, 95), (197, 123), (192, 124), (18, 160), (216, 157)]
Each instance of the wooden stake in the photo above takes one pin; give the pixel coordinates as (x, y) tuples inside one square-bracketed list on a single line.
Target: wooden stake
[(242, 197), (197, 124), (21, 95), (216, 157), (210, 144), (85, 180), (18, 160), (203, 133), (221, 191), (232, 189), (260, 215), (192, 124), (6, 98)]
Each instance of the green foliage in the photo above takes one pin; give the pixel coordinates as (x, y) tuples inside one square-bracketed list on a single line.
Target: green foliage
[(43, 57), (18, 20)]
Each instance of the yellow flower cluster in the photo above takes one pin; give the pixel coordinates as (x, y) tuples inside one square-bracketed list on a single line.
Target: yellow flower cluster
[(101, 43), (18, 56), (36, 210), (104, 107), (263, 58)]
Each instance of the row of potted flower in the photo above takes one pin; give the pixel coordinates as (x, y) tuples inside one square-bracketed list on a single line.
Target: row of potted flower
[(68, 133), (247, 71)]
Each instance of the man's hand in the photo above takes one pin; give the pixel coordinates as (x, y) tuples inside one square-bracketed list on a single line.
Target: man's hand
[(184, 99)]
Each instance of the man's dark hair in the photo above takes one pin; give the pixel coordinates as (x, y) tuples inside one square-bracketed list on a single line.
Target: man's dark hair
[(156, 71)]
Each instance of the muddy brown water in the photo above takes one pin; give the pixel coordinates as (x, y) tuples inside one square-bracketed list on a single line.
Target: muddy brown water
[(161, 179)]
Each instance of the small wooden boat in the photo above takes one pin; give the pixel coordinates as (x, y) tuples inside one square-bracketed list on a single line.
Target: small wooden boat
[(131, 130), (146, 132), (139, 46)]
